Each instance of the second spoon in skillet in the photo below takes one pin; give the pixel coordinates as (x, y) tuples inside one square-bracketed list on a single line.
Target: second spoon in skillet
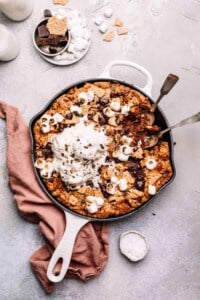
[(167, 86)]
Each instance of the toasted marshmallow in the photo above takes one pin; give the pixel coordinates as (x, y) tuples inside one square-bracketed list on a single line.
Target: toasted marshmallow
[(114, 180), (83, 97), (152, 189), (40, 163), (123, 185), (151, 163), (126, 140), (94, 203), (115, 105), (47, 171), (45, 127), (108, 112), (58, 118), (90, 95), (126, 149), (76, 109), (92, 208), (110, 188), (125, 109)]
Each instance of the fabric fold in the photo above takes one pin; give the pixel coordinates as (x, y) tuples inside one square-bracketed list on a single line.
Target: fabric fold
[(90, 252)]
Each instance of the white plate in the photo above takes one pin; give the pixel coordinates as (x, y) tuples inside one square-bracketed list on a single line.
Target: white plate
[(65, 62)]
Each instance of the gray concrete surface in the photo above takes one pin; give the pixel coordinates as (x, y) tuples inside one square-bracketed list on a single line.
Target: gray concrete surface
[(164, 37)]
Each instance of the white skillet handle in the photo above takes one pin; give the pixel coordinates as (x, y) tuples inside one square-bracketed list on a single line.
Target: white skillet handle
[(65, 247), (148, 87)]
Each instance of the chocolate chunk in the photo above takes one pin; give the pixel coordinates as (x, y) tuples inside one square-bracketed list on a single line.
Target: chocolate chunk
[(41, 42), (102, 120), (63, 41), (46, 151), (103, 190), (69, 116), (104, 101), (42, 31), (53, 40), (140, 185), (53, 49), (90, 116)]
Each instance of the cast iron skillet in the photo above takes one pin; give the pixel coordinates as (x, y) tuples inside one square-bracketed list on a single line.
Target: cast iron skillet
[(76, 221)]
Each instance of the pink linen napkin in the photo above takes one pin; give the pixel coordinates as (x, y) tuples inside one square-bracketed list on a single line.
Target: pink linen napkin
[(90, 252)]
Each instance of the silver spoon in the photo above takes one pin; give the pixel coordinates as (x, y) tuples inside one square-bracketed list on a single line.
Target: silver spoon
[(167, 86), (152, 140)]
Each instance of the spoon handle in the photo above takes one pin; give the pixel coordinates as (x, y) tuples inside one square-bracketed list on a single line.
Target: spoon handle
[(169, 83), (193, 119)]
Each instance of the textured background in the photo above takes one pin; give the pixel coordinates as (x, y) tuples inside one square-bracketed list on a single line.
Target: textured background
[(164, 37)]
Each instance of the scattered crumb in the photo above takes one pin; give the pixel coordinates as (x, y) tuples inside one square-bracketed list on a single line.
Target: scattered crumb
[(118, 22), (57, 26), (109, 35), (153, 214), (174, 144), (122, 30), (60, 2)]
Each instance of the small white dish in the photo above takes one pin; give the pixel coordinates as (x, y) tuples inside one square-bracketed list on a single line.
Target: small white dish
[(62, 49), (133, 245)]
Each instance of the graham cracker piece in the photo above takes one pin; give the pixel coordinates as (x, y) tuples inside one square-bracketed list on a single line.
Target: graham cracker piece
[(122, 30), (118, 22), (57, 26), (109, 35), (60, 2)]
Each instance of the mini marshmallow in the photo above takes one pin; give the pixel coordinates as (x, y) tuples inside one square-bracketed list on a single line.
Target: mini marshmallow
[(98, 20), (103, 27), (126, 140), (45, 127), (114, 105), (80, 44), (71, 48), (108, 112), (108, 12), (83, 97), (68, 56), (151, 163), (40, 163), (152, 189), (110, 188), (125, 109), (77, 31), (58, 57), (76, 54), (76, 109), (114, 180), (58, 117), (92, 208), (90, 95), (123, 185), (86, 34), (126, 149)]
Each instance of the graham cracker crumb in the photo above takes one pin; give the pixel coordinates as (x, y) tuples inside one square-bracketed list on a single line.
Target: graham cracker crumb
[(57, 26), (109, 35), (118, 22), (60, 2), (122, 30)]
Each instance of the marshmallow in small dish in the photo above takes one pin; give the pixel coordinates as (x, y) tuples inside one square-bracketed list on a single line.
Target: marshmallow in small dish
[(133, 245), (108, 12)]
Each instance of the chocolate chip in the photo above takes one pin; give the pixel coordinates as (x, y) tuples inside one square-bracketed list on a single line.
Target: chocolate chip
[(90, 183), (42, 31), (102, 120), (103, 101), (90, 116), (69, 116)]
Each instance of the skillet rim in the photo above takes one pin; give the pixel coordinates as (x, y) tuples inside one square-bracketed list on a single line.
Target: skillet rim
[(44, 188)]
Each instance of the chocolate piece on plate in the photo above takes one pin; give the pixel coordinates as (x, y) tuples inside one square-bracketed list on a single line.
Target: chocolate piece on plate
[(63, 41), (41, 42), (53, 40), (43, 31), (53, 49)]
